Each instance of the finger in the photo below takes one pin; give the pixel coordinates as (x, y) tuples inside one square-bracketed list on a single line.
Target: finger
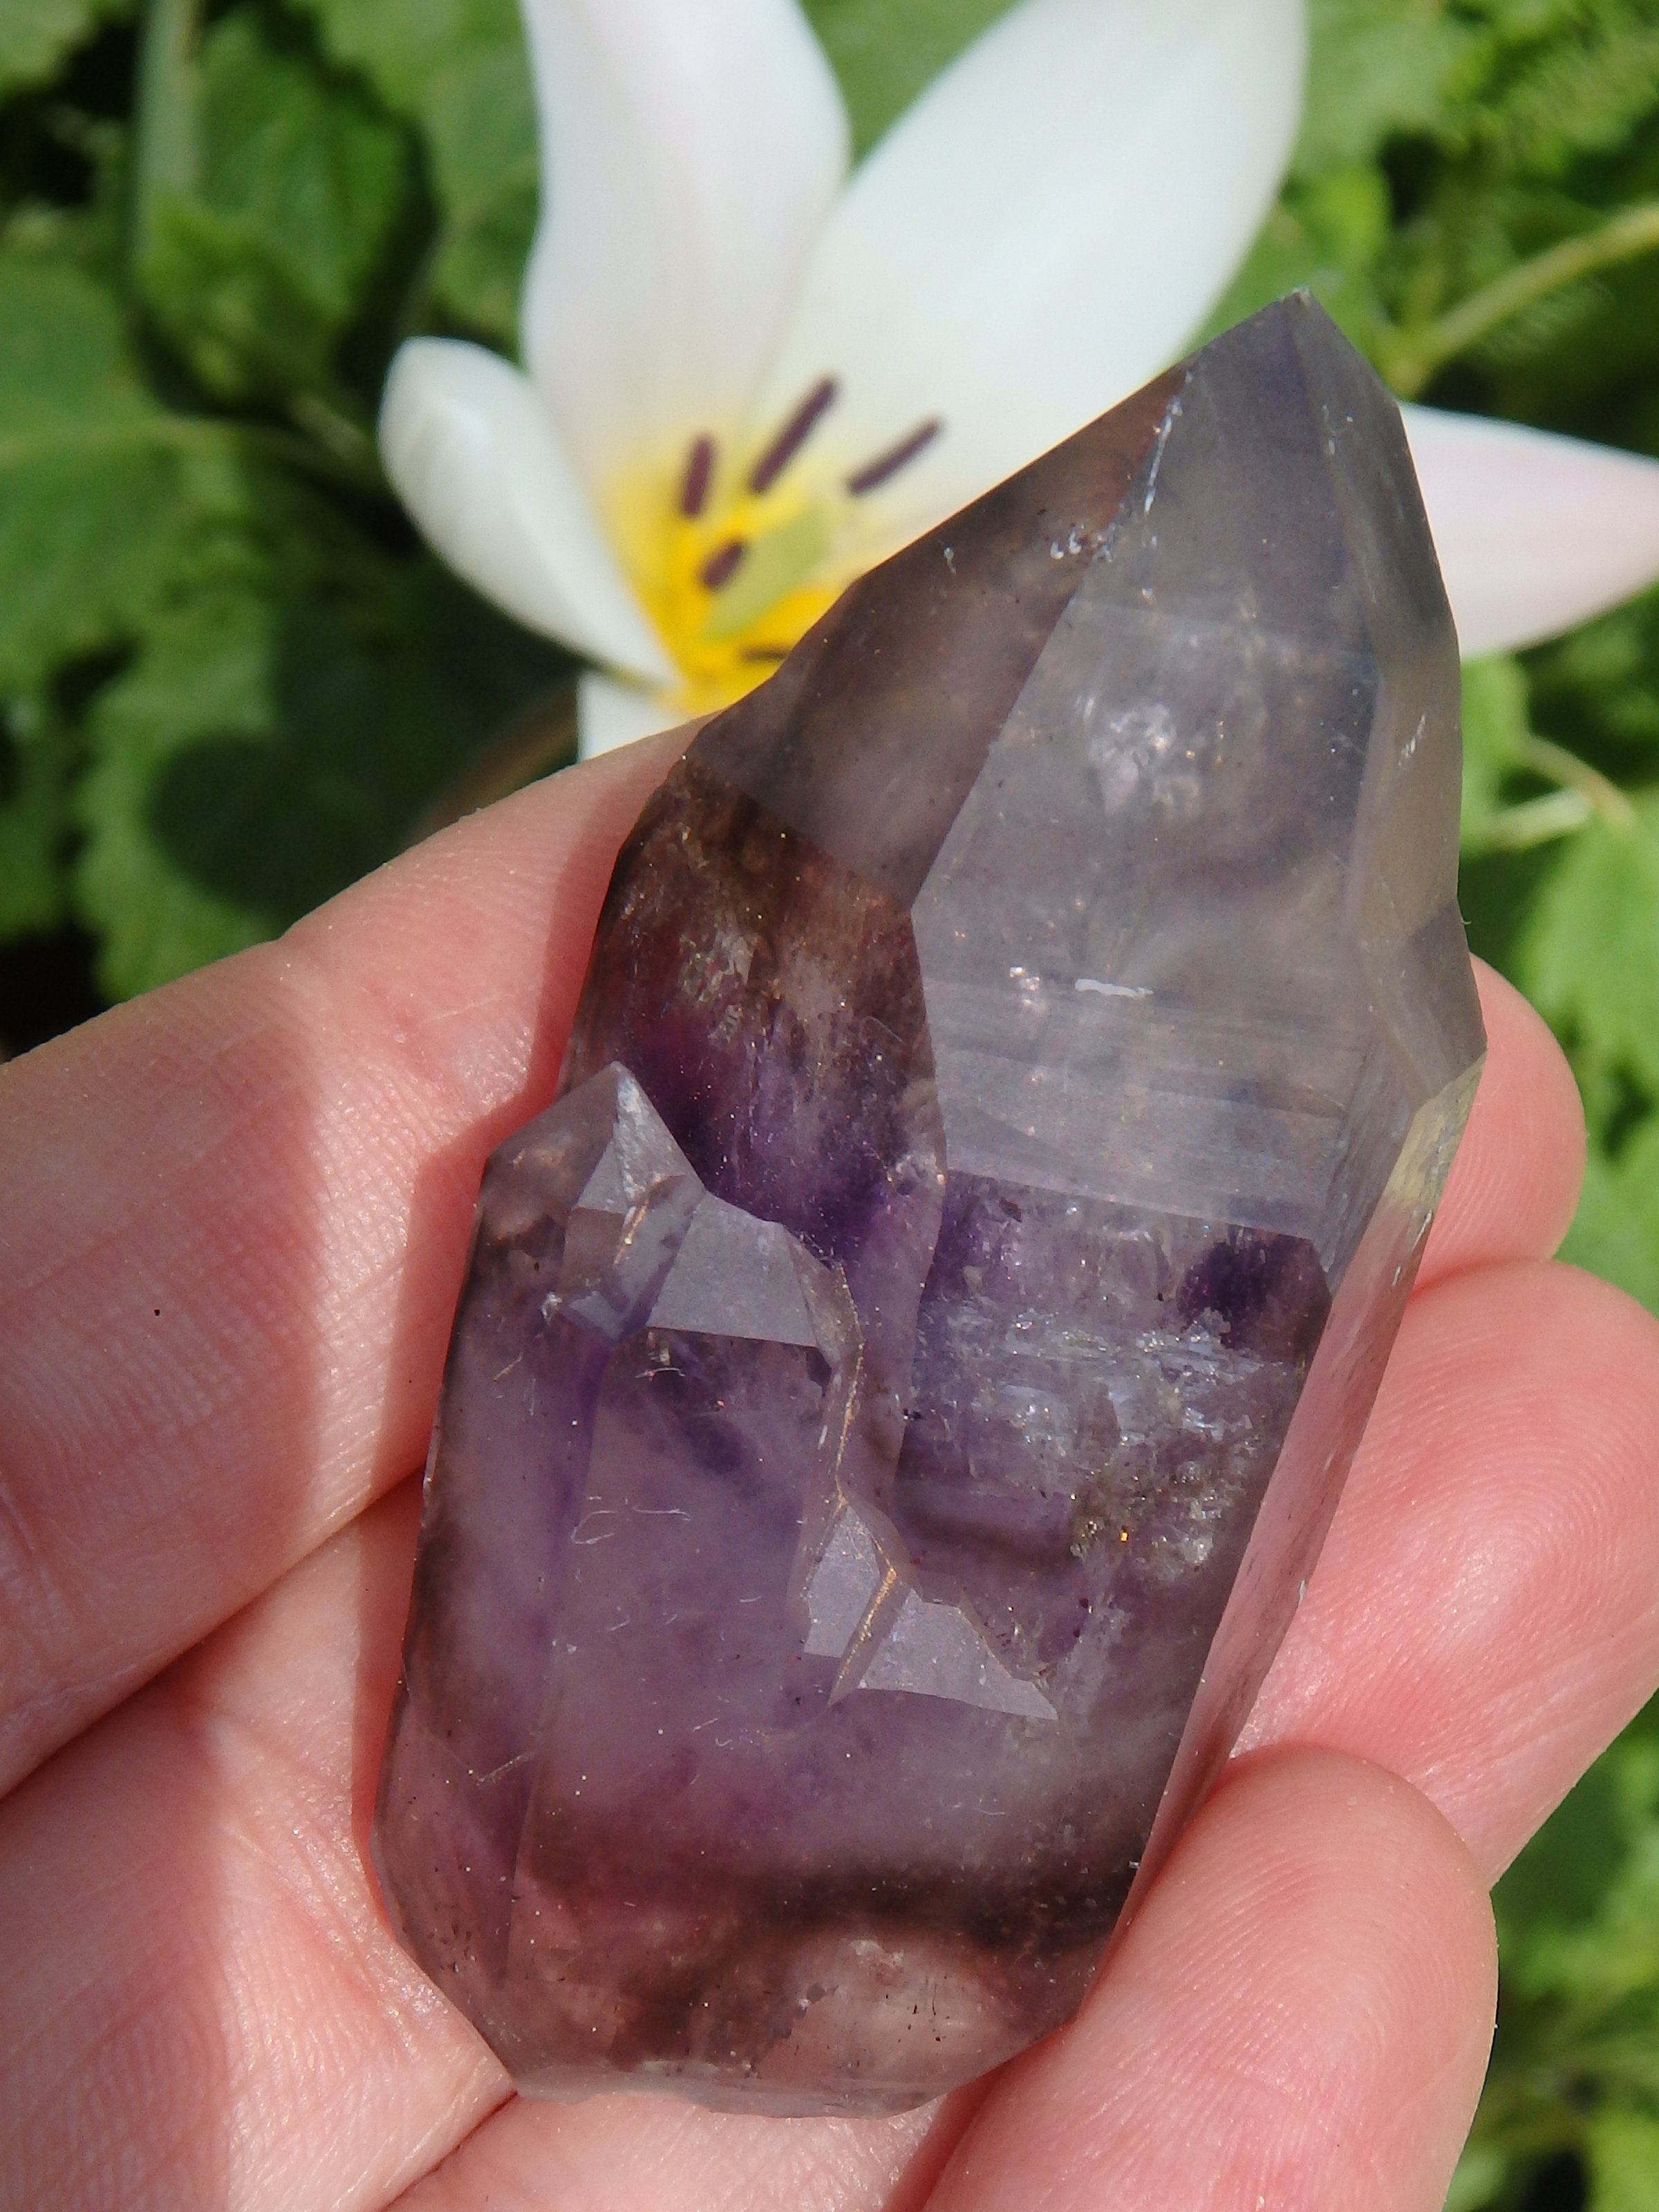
[(648, 2154), (1299, 2017), (1485, 1614), (203, 2006), (1514, 1181), (232, 1218)]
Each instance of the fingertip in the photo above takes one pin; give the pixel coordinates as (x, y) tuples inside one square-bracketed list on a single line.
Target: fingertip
[(1483, 1618), (1319, 1872), (235, 1212), (1514, 1182), (1300, 2013), (1342, 1836)]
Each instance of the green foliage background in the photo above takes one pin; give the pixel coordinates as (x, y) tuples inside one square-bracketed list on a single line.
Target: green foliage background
[(231, 679)]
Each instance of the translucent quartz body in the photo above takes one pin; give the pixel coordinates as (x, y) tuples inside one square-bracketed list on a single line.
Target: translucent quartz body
[(902, 1382)]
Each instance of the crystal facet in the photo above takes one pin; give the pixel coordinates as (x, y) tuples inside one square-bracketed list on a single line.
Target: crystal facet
[(902, 1382)]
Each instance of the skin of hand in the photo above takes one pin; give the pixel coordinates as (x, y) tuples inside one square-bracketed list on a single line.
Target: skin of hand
[(233, 1219)]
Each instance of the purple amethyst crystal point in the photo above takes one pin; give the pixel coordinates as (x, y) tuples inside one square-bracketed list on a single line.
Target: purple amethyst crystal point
[(902, 1382)]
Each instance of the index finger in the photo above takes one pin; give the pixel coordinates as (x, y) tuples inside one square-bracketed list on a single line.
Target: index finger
[(233, 1217), (1514, 1181)]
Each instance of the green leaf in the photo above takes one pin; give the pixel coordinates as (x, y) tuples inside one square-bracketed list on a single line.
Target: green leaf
[(1589, 957), (1578, 1945), (459, 71), (231, 308), (1601, 683), (1480, 2175), (256, 273), (1497, 723), (64, 363), (303, 166), (1578, 1911), (404, 50), (477, 265), (260, 753), (1579, 91), (35, 36), (1556, 1888), (93, 511), (1615, 1231), (1535, 85), (34, 825), (1378, 69), (884, 52), (1621, 2149), (479, 124), (204, 678)]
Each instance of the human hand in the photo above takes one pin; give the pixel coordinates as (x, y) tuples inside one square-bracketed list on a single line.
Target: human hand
[(233, 1218)]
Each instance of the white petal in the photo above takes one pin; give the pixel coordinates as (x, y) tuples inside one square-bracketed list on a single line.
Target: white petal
[(609, 714), (468, 448), (1042, 231), (1534, 532), (689, 149)]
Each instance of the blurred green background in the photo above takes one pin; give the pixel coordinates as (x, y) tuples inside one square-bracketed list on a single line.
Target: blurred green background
[(231, 679)]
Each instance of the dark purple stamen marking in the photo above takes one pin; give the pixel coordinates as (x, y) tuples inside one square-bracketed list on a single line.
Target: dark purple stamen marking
[(722, 564), (792, 436), (895, 458), (699, 475)]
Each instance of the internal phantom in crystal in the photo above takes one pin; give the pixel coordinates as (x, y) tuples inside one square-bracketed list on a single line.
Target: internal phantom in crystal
[(902, 1382)]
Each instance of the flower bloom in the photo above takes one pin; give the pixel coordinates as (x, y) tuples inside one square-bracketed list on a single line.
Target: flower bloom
[(749, 376)]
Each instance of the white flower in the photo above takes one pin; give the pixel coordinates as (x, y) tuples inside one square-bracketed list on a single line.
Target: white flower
[(750, 377), (1534, 532)]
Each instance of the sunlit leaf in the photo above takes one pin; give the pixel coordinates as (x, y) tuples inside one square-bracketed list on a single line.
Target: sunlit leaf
[(1601, 686), (1481, 2173), (1615, 1232), (91, 503), (262, 753), (404, 50), (255, 274), (1622, 2153), (205, 679), (1560, 97), (1496, 721), (458, 70), (1589, 959), (1379, 68), (33, 825), (36, 34)]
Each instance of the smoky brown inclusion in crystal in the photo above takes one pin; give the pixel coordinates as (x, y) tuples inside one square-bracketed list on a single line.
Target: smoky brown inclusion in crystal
[(902, 1382)]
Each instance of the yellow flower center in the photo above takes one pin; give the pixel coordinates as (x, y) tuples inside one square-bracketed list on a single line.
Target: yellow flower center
[(734, 557)]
